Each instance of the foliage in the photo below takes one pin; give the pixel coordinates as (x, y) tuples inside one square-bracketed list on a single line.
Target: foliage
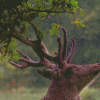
[(78, 23), (54, 29), (17, 15), (90, 94), (23, 93)]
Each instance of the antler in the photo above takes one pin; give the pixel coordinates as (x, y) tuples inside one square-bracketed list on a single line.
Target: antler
[(71, 54), (42, 51), (27, 61)]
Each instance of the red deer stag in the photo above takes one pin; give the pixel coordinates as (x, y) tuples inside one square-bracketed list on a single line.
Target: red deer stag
[(67, 80)]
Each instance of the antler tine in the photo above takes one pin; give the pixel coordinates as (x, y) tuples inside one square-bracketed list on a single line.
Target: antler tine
[(55, 53), (42, 52), (64, 53), (71, 54), (18, 65), (22, 54), (31, 62), (27, 63), (59, 47)]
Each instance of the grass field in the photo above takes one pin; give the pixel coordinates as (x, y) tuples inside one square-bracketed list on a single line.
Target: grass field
[(23, 94), (90, 94), (34, 93)]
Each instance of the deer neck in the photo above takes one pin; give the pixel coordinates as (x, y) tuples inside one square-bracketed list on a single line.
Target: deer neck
[(61, 91)]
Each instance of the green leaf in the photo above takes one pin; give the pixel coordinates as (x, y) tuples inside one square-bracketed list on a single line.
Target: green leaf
[(79, 24), (29, 4), (54, 29), (39, 25), (16, 55), (82, 13), (2, 58), (51, 32), (42, 15), (57, 32), (83, 25), (44, 33)]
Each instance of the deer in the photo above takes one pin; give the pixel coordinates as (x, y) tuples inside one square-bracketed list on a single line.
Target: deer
[(66, 79)]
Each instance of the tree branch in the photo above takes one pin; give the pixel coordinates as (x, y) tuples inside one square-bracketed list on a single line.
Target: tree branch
[(43, 52), (31, 9), (21, 38), (37, 30)]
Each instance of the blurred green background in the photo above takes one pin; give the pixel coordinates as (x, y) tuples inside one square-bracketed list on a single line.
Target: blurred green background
[(16, 84)]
